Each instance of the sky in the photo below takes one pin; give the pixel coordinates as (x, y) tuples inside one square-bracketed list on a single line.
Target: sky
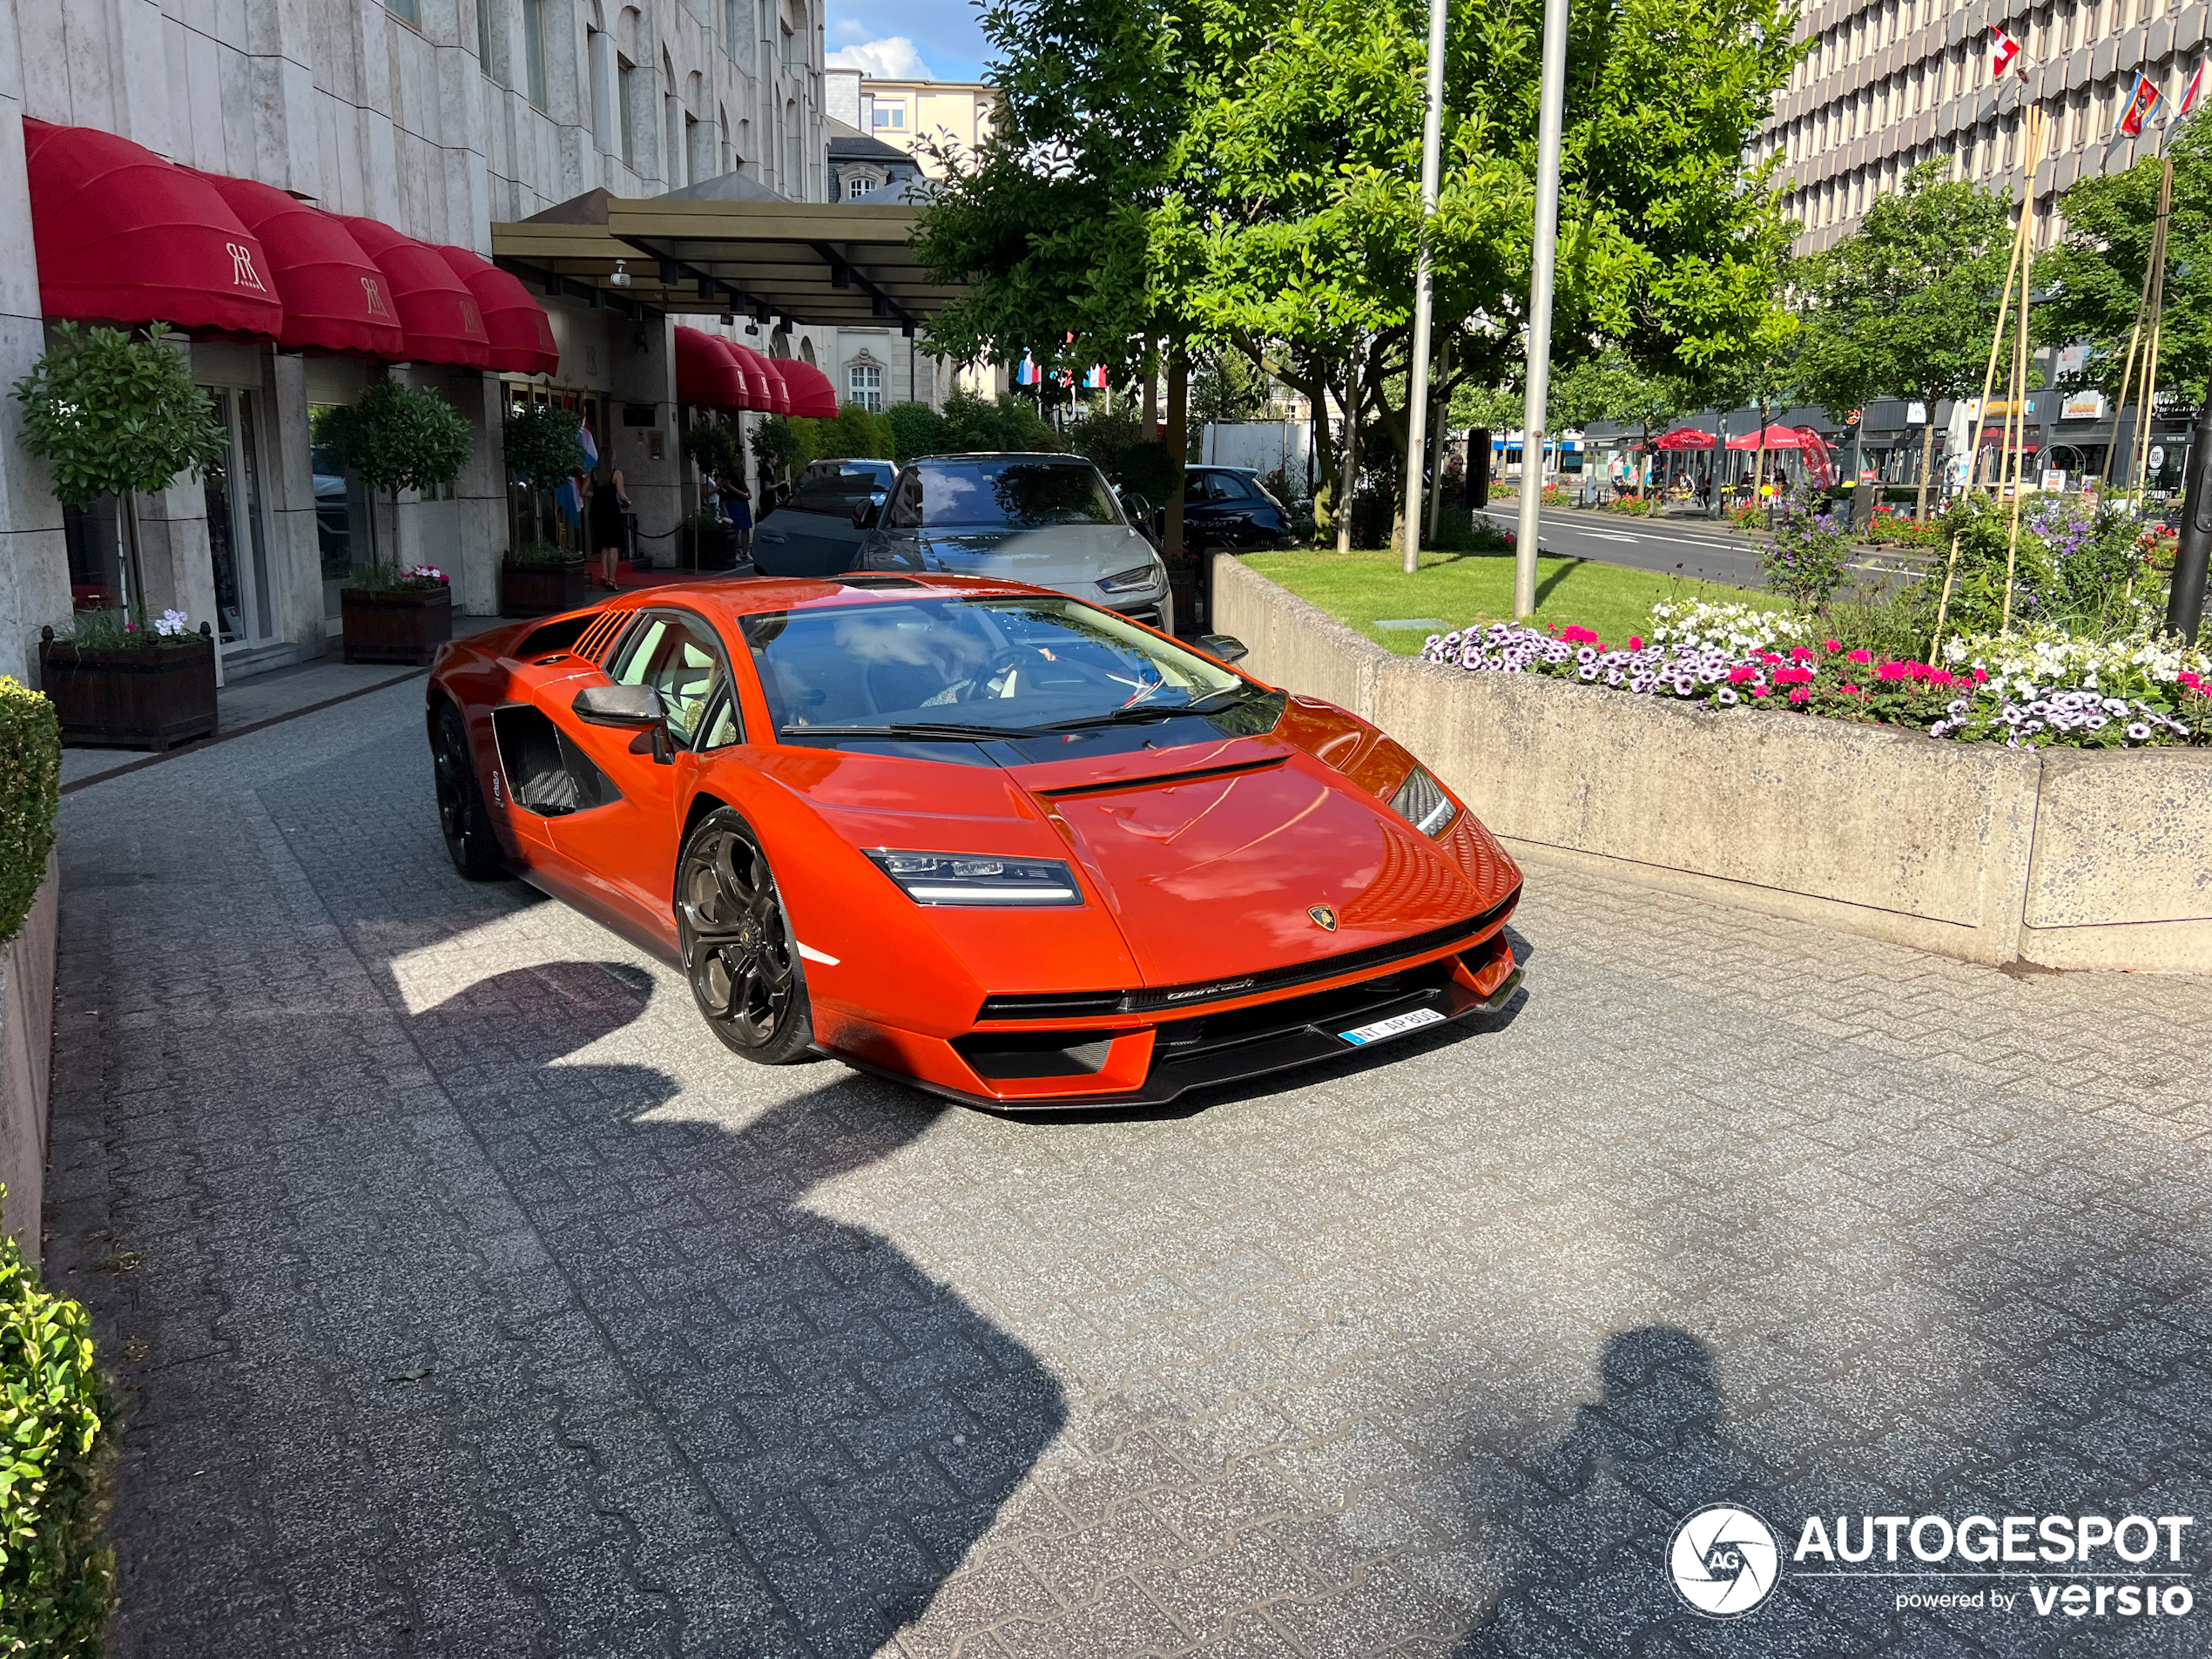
[(907, 39)]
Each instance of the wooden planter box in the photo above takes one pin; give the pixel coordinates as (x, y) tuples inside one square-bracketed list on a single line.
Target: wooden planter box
[(715, 550), (154, 698), (405, 626), (540, 589)]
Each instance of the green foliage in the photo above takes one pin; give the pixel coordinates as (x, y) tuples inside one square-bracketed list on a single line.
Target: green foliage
[(31, 762), (968, 425), (57, 1577), (1808, 556), (1612, 388), (542, 446), (1903, 306), (1127, 454), (715, 447), (776, 446), (542, 553), (1225, 386), (378, 576), (110, 412), (855, 434), (915, 431), (399, 438), (2093, 277)]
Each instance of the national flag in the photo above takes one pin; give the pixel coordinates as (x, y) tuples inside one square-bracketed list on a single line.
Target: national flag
[(2141, 103), (2001, 54), (1096, 380), (2190, 92), (588, 444), (1025, 373)]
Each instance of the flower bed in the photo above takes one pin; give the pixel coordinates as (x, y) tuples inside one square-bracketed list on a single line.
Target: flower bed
[(2024, 691)]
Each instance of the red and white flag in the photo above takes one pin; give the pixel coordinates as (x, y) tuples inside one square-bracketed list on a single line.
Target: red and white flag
[(2001, 54), (2141, 103), (2190, 92)]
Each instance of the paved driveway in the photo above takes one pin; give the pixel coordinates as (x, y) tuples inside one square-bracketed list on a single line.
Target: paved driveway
[(466, 1300)]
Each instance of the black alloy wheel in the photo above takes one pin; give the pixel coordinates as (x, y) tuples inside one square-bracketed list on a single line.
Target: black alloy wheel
[(738, 951), (462, 820)]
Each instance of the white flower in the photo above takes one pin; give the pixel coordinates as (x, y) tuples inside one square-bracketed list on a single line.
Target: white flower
[(171, 623)]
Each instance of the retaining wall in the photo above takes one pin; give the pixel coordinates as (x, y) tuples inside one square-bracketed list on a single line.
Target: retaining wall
[(26, 1060), (2062, 857)]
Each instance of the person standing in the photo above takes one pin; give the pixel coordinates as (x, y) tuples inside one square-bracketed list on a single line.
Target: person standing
[(739, 499), (609, 521)]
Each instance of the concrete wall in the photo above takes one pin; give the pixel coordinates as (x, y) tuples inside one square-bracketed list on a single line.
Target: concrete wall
[(26, 1060), (2064, 858)]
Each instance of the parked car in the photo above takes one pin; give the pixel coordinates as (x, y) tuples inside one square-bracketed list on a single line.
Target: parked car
[(1227, 509), (997, 843), (1049, 520), (814, 532)]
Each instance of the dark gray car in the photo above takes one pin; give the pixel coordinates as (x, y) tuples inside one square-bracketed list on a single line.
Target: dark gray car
[(1051, 520), (816, 531)]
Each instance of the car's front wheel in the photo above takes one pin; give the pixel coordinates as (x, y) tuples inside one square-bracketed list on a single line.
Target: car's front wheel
[(739, 953)]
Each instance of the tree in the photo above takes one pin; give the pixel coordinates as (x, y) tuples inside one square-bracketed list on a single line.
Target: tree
[(398, 438), (113, 413), (542, 447), (1904, 306)]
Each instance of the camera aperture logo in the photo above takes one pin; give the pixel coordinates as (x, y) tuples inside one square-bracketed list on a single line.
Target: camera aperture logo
[(1723, 1560)]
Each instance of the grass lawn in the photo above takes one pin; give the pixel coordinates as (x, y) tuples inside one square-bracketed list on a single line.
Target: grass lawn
[(1457, 589)]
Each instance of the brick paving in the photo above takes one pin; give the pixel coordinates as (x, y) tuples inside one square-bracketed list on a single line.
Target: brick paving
[(465, 1298)]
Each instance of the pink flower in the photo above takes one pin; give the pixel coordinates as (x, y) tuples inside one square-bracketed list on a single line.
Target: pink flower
[(1939, 676), (1852, 690), (1793, 677), (1635, 642), (1800, 654), (1862, 657), (1890, 671), (1740, 672), (1758, 690), (1981, 674), (1799, 693), (2193, 681), (1832, 646), (1769, 657), (1578, 636)]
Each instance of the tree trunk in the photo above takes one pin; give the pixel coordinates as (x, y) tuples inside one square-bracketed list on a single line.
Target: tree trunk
[(1178, 449), (1436, 441), (1927, 459), (1151, 361), (134, 603), (1758, 466)]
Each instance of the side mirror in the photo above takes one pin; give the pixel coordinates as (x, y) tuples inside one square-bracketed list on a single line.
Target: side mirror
[(866, 513), (1227, 647), (630, 705)]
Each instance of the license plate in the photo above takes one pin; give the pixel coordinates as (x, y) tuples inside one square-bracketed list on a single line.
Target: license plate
[(1397, 1026)]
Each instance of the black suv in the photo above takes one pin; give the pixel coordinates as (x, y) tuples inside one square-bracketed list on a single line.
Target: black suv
[(1226, 510)]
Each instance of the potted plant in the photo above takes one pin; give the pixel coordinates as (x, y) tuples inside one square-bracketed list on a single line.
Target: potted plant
[(540, 578), (718, 452), (397, 438), (115, 684), (113, 412), (395, 616), (706, 541)]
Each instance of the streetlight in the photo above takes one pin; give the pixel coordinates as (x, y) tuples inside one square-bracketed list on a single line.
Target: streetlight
[(1540, 305), (1416, 403)]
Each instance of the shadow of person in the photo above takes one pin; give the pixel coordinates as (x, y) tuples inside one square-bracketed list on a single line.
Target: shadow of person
[(761, 1429), (1588, 1521)]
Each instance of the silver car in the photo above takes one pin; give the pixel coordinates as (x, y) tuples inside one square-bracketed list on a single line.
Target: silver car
[(1050, 520)]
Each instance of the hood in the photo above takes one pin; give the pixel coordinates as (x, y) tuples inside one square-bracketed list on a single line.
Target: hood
[(1215, 874), (1066, 556)]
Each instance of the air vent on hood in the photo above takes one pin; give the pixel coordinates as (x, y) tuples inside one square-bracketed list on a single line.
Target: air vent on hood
[(1160, 780), (876, 579)]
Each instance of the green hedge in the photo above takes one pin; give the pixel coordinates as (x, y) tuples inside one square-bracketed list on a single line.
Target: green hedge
[(30, 775), (57, 1574)]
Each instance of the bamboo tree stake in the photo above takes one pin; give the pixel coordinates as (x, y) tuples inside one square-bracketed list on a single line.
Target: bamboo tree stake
[(2127, 368), (2020, 359), (2156, 273), (1981, 412)]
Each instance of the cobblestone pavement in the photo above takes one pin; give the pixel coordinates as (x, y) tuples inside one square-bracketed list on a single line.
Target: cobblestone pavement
[(465, 1300)]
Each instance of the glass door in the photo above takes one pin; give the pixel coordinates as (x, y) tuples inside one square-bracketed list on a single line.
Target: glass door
[(237, 526)]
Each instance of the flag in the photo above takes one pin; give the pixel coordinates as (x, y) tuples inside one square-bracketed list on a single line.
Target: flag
[(1025, 373), (588, 444), (2190, 92), (2001, 54), (569, 502), (2141, 103), (1096, 380)]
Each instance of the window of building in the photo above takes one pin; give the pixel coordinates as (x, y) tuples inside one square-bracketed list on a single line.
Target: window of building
[(626, 108), (890, 115), (484, 35), (730, 27), (859, 185), (791, 45), (534, 51), (864, 381), (408, 11)]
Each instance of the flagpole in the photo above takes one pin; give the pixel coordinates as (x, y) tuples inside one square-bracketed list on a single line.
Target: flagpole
[(2019, 357), (2157, 273)]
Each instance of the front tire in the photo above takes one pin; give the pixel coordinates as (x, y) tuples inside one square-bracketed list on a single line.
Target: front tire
[(739, 953), (462, 820)]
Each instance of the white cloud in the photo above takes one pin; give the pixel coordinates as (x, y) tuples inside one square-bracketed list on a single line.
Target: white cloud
[(895, 59)]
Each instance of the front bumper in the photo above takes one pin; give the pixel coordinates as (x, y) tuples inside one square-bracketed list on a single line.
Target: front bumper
[(1039, 1065)]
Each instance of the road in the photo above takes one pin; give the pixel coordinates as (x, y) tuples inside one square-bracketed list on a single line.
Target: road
[(1698, 547), (462, 1297)]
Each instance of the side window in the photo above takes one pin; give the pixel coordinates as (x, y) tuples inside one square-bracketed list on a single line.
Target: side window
[(1204, 486), (676, 658), (722, 725), (904, 511), (1227, 486)]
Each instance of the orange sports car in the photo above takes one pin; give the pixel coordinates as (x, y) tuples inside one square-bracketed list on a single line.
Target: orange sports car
[(996, 842)]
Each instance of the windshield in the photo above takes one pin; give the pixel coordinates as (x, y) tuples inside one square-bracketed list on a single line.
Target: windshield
[(1008, 664), (837, 486), (1013, 493)]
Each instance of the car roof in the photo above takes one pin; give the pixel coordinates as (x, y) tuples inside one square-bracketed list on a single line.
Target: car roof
[(1010, 454), (729, 597)]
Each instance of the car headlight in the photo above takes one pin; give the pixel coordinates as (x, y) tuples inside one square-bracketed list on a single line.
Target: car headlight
[(1420, 800), (1135, 579), (954, 878)]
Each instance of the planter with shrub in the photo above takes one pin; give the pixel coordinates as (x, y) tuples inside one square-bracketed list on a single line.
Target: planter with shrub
[(115, 684), (397, 438), (394, 616), (708, 544), (538, 579)]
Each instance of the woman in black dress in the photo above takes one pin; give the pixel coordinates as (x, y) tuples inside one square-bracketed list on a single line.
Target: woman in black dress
[(609, 528)]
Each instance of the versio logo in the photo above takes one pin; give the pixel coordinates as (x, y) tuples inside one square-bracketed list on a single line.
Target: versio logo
[(1723, 1560)]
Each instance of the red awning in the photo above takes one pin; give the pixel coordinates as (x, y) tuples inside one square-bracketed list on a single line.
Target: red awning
[(779, 388), (754, 368), (521, 338), (124, 237), (811, 391), (1777, 437), (440, 315), (1685, 438), (333, 294), (704, 374)]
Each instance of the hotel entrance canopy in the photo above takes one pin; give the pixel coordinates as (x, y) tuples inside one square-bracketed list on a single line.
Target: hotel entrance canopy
[(728, 245)]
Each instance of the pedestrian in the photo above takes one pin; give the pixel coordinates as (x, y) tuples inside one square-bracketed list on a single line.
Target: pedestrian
[(740, 503), (609, 522)]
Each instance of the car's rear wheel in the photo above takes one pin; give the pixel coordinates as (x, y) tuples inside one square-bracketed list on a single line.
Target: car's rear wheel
[(461, 818), (739, 953)]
